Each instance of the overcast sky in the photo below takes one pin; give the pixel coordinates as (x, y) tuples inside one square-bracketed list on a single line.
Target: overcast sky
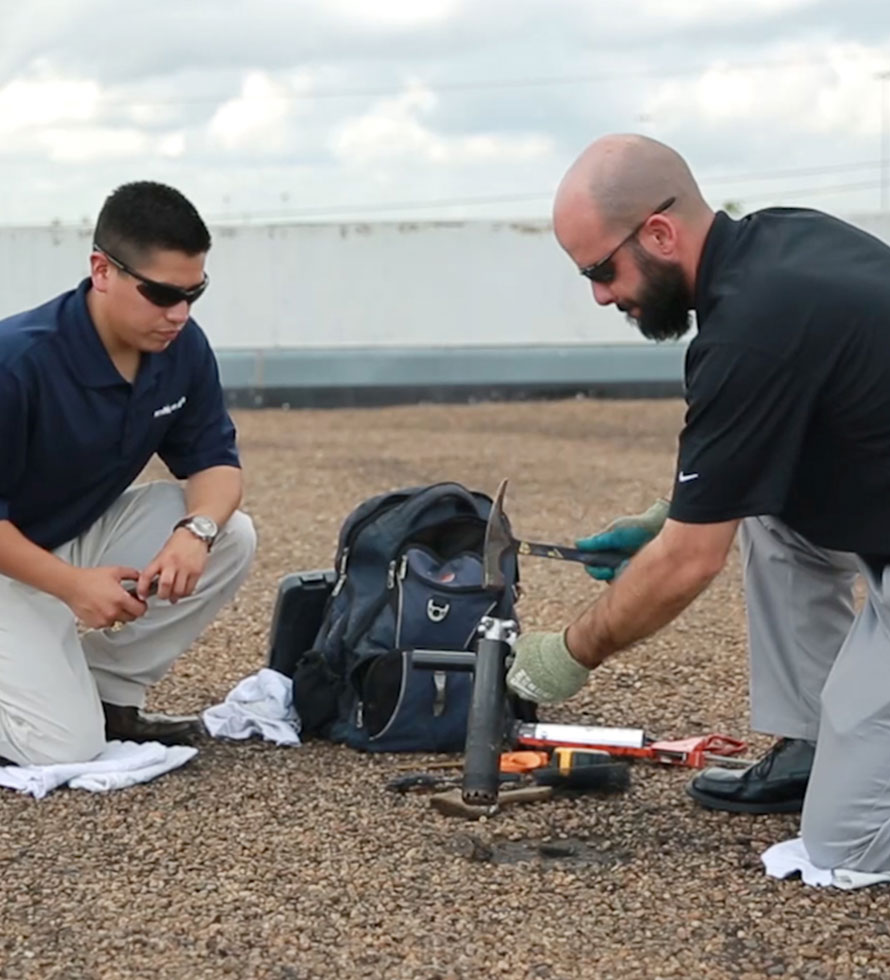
[(433, 109)]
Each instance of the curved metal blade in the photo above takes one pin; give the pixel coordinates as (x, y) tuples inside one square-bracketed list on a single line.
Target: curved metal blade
[(497, 540)]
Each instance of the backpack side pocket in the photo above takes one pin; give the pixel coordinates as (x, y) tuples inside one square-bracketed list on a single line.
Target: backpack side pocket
[(316, 690)]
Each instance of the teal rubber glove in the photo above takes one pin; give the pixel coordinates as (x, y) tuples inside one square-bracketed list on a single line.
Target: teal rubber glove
[(626, 534), (543, 670)]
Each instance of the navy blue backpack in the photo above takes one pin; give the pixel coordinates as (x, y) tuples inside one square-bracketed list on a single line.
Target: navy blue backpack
[(408, 576)]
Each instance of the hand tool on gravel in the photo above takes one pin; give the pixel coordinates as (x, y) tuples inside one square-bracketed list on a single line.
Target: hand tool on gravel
[(696, 752), (435, 780), (453, 803), (570, 772), (583, 771)]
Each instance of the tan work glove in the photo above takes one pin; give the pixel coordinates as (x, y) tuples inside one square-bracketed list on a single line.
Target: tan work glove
[(544, 670)]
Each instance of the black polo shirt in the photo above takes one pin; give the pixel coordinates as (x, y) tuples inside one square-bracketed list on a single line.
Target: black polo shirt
[(74, 434), (788, 380)]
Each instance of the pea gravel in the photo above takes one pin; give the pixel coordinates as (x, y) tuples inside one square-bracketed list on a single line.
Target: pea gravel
[(297, 864)]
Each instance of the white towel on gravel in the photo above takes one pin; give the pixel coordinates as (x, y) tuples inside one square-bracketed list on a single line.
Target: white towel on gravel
[(118, 765), (790, 857), (260, 704)]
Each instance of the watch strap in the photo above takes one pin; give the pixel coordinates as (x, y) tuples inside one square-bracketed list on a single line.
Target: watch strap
[(189, 525)]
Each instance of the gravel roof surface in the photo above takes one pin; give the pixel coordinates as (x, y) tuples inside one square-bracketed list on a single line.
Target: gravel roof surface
[(296, 864)]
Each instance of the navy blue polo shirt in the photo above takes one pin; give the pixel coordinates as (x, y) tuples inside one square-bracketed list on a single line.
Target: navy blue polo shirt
[(74, 434)]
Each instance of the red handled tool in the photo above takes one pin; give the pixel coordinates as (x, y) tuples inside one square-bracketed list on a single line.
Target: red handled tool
[(695, 752)]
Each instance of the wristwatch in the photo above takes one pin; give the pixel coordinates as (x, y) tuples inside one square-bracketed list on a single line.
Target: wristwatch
[(203, 528)]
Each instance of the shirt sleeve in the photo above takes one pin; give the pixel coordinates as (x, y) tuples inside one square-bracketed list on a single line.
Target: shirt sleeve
[(747, 415), (14, 426), (204, 433)]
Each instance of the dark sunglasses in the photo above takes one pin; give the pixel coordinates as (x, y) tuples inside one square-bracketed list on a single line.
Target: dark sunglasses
[(162, 294), (604, 270)]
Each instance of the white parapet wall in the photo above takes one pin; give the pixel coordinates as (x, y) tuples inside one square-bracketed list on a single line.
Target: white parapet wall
[(440, 307), (347, 285)]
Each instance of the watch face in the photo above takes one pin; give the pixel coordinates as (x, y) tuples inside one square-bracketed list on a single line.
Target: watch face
[(204, 526)]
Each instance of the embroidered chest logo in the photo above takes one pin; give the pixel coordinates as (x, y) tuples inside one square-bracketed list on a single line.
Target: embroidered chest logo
[(169, 409)]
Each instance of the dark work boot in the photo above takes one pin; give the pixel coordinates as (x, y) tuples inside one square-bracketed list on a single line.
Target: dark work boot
[(131, 724), (774, 784)]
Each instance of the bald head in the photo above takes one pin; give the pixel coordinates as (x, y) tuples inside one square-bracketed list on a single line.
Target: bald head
[(624, 176), (616, 186)]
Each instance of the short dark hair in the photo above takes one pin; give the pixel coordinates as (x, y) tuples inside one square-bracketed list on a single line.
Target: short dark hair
[(145, 215)]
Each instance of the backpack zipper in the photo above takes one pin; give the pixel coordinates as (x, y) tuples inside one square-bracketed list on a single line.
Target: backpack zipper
[(440, 682), (400, 605), (341, 574)]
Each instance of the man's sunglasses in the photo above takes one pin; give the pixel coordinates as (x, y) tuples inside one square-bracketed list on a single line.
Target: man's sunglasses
[(604, 270), (162, 294)]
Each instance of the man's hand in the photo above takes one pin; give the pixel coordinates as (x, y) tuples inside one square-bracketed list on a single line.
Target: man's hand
[(99, 600), (544, 670), (177, 567), (625, 534)]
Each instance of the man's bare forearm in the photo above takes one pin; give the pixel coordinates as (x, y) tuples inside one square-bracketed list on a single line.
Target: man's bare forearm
[(27, 562), (657, 586), (215, 492)]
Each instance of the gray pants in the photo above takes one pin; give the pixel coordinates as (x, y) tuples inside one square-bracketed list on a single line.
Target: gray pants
[(821, 671), (52, 679)]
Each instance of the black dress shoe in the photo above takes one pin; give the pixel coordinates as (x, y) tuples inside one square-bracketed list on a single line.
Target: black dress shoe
[(774, 784), (131, 724)]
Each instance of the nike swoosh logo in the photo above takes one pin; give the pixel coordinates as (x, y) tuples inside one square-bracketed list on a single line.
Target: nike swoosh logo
[(686, 477)]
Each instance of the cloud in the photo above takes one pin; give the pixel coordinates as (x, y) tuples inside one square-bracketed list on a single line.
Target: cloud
[(383, 14), (267, 35), (718, 12), (394, 129), (34, 102), (296, 104), (255, 118), (839, 93), (172, 145), (86, 144)]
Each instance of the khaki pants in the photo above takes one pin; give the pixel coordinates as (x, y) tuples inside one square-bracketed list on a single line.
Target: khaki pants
[(52, 679), (821, 671)]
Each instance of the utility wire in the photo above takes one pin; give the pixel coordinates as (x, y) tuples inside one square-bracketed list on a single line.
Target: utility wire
[(356, 209), (389, 206), (802, 192), (794, 172), (472, 86)]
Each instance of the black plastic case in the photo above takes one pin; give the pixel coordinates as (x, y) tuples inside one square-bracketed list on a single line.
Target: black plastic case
[(299, 608)]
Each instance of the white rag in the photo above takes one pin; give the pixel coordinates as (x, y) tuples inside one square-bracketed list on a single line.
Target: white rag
[(260, 704), (790, 857), (118, 765)]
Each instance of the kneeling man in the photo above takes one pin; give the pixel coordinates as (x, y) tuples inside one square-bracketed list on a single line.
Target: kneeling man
[(92, 384)]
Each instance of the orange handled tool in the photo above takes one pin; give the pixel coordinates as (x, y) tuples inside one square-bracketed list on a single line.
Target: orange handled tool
[(695, 752)]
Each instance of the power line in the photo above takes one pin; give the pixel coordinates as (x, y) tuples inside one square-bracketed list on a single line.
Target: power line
[(510, 83), (435, 203), (389, 206), (794, 172), (823, 189), (356, 210)]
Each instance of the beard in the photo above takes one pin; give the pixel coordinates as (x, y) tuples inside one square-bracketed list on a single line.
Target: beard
[(664, 301)]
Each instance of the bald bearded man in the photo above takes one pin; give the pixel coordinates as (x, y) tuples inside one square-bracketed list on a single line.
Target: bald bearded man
[(787, 436)]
